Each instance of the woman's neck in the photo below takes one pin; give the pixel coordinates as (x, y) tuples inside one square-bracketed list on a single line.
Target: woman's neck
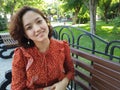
[(43, 46)]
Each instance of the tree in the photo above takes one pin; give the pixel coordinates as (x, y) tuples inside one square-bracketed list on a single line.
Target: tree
[(10, 6), (104, 5), (93, 5), (77, 5), (114, 9), (73, 5)]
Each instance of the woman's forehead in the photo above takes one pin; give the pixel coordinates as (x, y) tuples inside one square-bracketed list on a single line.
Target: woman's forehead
[(31, 16)]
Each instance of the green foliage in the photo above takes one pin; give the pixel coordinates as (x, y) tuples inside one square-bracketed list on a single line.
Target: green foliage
[(55, 17), (68, 16), (53, 11), (114, 10), (74, 6), (10, 6), (33, 3), (108, 9), (83, 16), (3, 23), (104, 6), (116, 21), (69, 5)]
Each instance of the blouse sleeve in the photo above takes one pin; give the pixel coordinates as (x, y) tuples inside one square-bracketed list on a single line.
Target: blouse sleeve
[(68, 65), (18, 71)]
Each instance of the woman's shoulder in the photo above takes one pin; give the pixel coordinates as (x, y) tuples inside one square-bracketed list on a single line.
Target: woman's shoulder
[(23, 52), (17, 51), (20, 50)]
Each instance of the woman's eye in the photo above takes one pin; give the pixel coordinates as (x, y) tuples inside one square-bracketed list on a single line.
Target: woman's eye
[(39, 21), (28, 28)]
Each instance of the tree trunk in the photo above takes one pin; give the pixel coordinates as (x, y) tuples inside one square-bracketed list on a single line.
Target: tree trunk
[(105, 16), (92, 5), (75, 17)]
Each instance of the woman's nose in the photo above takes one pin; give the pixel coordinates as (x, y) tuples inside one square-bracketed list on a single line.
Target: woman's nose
[(36, 28)]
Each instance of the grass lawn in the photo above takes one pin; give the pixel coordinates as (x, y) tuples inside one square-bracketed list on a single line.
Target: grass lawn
[(106, 31)]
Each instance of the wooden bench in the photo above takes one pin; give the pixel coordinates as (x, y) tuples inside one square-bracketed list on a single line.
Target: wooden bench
[(6, 42), (94, 74)]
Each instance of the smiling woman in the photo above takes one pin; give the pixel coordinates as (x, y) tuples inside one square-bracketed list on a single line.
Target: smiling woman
[(44, 62)]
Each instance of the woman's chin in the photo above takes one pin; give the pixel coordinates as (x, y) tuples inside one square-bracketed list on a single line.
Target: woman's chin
[(42, 39)]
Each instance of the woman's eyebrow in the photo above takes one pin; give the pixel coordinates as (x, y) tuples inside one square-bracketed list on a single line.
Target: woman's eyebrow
[(27, 25), (37, 18)]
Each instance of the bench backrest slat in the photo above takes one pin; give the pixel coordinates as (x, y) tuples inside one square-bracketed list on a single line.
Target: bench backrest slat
[(103, 83), (82, 64), (96, 59), (105, 78), (8, 40), (107, 71)]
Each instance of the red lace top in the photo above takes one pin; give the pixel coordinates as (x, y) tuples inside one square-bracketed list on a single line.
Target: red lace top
[(33, 70)]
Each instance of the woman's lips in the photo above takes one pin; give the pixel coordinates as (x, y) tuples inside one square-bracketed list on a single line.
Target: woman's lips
[(40, 34)]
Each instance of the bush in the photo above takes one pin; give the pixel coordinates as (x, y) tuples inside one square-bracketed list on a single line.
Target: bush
[(116, 21), (55, 17), (3, 23)]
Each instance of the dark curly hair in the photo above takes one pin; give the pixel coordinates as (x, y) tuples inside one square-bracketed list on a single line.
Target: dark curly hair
[(17, 30)]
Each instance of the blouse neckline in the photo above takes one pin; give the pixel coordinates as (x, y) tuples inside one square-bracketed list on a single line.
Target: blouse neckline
[(47, 51)]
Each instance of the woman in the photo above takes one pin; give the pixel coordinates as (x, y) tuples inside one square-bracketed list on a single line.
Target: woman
[(40, 62)]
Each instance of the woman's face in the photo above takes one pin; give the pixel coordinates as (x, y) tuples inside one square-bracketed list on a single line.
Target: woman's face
[(35, 26)]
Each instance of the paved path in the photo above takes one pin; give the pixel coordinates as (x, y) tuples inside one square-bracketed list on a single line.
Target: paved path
[(4, 66)]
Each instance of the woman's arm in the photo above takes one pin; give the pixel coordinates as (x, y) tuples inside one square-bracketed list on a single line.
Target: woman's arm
[(18, 71), (61, 85), (69, 71), (68, 64)]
